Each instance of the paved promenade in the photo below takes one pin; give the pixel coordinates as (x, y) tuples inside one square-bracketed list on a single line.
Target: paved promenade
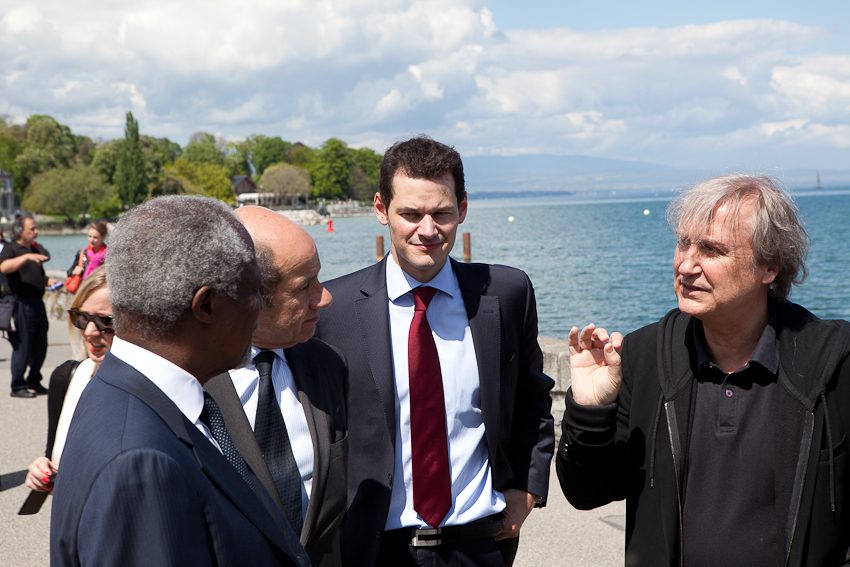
[(557, 535)]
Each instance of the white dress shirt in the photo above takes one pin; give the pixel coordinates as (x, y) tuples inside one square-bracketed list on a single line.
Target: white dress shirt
[(473, 496), (79, 380), (246, 381), (181, 387)]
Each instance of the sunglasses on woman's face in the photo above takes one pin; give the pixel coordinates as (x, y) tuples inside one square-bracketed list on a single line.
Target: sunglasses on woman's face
[(81, 320)]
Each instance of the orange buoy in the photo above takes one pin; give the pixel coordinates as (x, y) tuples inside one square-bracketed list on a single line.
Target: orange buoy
[(330, 226)]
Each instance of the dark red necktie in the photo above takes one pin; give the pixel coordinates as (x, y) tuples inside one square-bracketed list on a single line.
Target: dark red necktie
[(432, 486)]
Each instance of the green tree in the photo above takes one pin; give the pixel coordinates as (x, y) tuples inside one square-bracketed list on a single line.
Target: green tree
[(70, 192), (331, 171), (365, 173), (240, 155), (172, 182), (268, 152), (203, 149), (169, 150), (212, 178), (131, 175), (48, 145), (301, 156), (9, 150), (288, 181)]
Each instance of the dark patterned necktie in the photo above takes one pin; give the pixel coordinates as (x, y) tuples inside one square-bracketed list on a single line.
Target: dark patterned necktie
[(270, 431), (432, 485), (212, 418)]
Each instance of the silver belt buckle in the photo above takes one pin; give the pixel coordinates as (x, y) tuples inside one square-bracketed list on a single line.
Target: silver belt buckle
[(416, 542)]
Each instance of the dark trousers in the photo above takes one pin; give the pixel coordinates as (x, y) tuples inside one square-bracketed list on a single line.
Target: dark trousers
[(473, 553), (29, 342)]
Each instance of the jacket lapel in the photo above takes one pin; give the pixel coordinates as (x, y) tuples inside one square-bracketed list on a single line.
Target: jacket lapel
[(373, 325), (485, 324), (319, 425), (222, 390), (212, 462)]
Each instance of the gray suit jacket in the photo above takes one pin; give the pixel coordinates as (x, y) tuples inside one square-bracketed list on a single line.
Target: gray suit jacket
[(320, 374)]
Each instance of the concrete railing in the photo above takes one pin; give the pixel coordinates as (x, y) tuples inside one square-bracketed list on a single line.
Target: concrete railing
[(556, 365)]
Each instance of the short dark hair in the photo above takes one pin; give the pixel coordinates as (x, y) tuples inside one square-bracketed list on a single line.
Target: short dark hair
[(420, 158)]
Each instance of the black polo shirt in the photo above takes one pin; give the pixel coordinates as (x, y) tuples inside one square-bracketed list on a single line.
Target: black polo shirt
[(729, 513), (28, 280)]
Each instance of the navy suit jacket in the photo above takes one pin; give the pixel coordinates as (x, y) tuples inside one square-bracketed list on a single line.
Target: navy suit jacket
[(515, 400), (141, 485)]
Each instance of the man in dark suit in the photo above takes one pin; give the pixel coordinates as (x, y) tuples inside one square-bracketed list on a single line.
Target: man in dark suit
[(450, 433), (149, 474), (306, 388)]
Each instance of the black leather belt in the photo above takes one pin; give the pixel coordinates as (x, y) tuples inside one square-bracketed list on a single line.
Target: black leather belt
[(430, 537)]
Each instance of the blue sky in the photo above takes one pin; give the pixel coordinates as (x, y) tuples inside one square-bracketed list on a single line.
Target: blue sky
[(722, 85)]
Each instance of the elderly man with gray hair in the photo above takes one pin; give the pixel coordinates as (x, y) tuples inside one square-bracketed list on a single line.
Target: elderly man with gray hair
[(724, 426), (149, 473)]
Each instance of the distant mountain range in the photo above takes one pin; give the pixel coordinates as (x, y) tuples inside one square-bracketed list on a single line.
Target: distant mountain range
[(540, 175)]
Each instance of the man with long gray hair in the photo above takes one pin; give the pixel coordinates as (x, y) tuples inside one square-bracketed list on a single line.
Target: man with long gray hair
[(149, 473), (724, 425)]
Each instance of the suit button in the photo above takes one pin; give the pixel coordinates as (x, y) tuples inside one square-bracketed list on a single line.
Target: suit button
[(378, 535)]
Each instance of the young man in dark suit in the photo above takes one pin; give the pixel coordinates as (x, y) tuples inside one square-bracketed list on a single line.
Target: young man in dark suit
[(450, 432), (305, 388), (149, 474)]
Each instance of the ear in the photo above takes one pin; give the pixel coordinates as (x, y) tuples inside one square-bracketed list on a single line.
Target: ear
[(381, 210), (461, 207), (769, 275), (204, 304)]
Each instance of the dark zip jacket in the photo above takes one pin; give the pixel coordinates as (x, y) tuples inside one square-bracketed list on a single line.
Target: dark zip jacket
[(636, 449)]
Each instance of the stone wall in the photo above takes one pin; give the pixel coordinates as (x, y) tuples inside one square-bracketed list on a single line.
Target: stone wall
[(556, 365)]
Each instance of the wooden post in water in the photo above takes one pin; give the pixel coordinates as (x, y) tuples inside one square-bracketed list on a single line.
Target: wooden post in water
[(379, 247), (467, 248)]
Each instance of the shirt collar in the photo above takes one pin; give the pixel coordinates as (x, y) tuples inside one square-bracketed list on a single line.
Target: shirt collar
[(766, 353), (181, 387), (255, 351), (400, 282)]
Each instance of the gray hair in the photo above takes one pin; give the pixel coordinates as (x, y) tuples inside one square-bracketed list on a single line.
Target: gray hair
[(164, 250), (271, 274), (779, 238), (18, 225)]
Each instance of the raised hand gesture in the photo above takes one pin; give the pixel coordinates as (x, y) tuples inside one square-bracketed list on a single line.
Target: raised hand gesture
[(595, 365)]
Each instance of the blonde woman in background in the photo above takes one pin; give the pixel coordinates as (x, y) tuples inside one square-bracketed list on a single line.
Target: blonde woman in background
[(91, 315)]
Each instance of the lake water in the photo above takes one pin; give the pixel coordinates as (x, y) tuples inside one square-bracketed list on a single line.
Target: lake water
[(601, 262)]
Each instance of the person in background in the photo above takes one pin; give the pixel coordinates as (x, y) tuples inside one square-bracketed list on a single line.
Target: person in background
[(724, 426), (89, 322), (21, 263), (87, 260)]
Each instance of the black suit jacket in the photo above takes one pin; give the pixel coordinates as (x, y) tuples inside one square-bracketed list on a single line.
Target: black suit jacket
[(514, 391), (141, 485), (320, 372)]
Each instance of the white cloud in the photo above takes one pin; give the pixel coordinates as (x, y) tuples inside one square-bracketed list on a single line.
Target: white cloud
[(369, 71)]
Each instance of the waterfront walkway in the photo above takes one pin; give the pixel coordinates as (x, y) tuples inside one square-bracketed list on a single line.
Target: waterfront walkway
[(557, 535)]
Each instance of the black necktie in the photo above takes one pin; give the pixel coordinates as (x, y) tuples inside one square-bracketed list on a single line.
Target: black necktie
[(270, 431), (212, 418)]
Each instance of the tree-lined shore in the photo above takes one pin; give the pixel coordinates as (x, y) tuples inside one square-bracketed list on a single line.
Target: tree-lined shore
[(57, 172)]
